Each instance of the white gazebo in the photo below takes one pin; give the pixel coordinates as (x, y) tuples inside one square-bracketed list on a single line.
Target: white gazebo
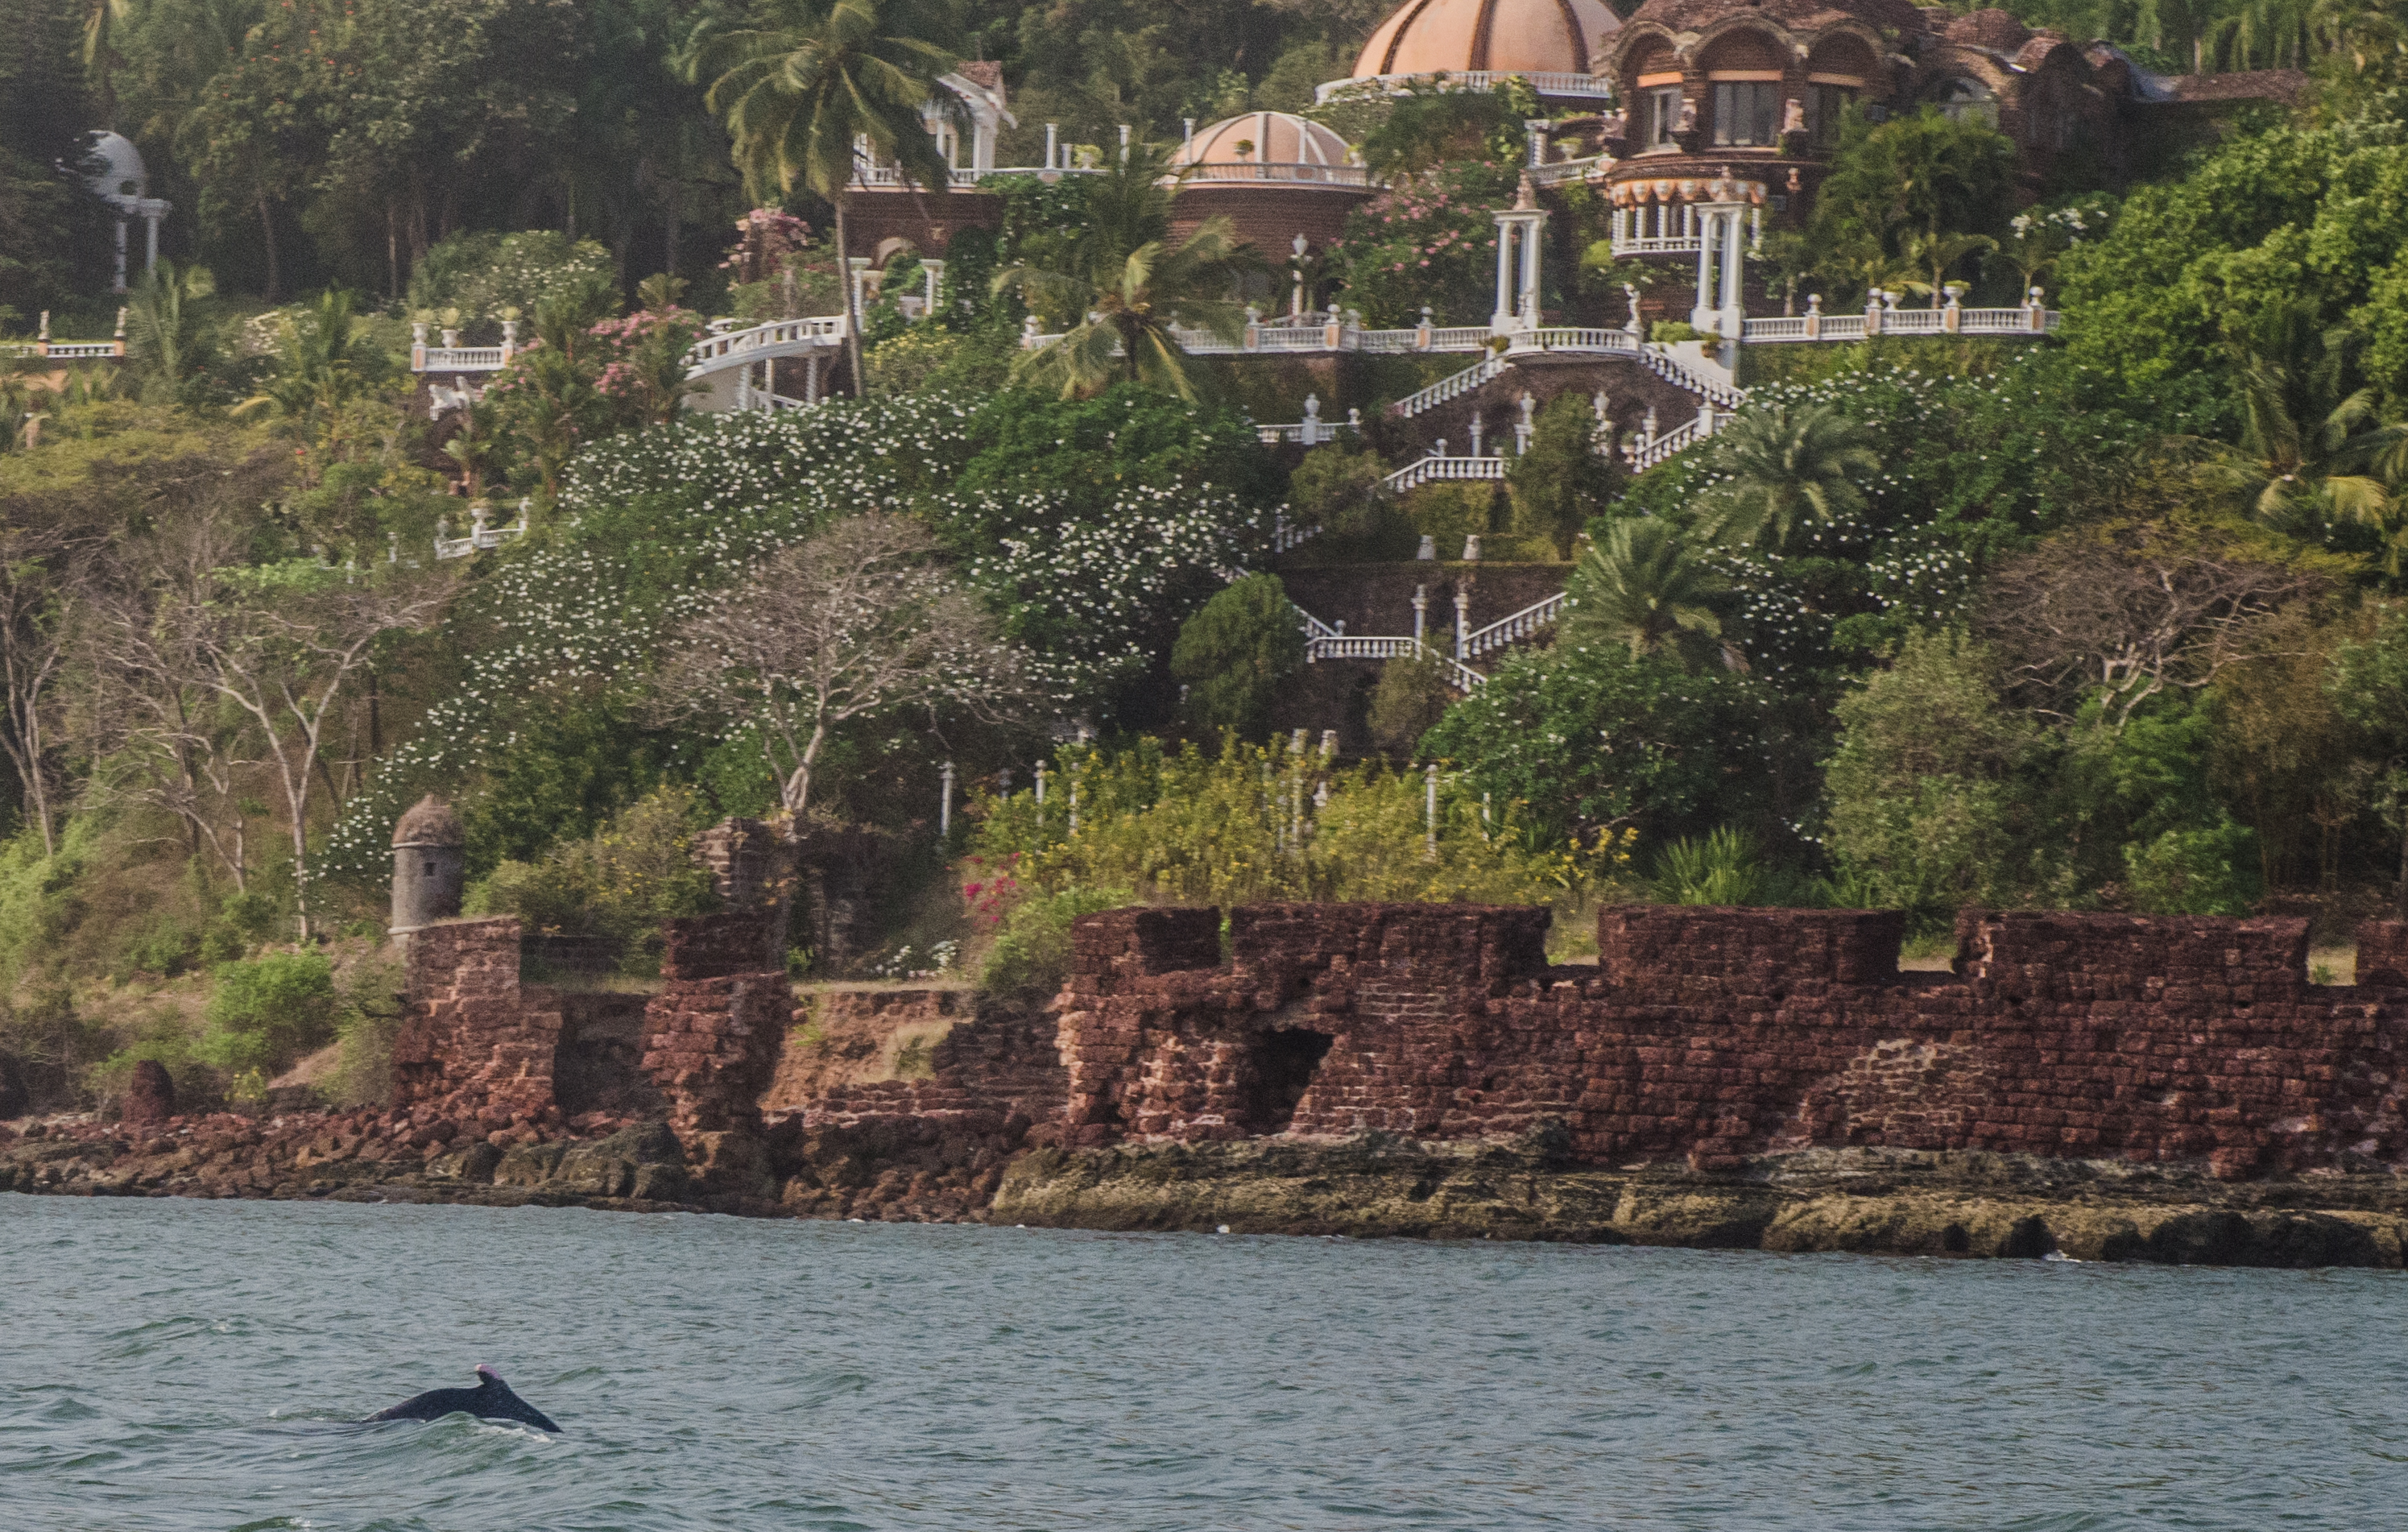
[(118, 178)]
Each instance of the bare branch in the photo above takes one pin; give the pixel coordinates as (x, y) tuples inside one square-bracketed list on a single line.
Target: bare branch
[(858, 622)]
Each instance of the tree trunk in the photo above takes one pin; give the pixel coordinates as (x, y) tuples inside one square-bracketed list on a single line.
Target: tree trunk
[(670, 219), (267, 229), (852, 309), (2399, 901)]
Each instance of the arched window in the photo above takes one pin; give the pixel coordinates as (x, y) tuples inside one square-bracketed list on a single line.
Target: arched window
[(1967, 101)]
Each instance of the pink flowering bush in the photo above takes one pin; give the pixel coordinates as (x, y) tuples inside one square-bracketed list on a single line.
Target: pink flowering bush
[(1429, 238)]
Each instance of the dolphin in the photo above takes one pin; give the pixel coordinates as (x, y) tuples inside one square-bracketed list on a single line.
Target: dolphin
[(491, 1400)]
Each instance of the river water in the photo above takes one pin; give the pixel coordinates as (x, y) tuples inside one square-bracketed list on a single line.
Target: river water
[(186, 1364)]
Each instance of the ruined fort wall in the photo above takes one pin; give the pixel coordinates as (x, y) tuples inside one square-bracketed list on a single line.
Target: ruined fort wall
[(1717, 1034), (474, 1038)]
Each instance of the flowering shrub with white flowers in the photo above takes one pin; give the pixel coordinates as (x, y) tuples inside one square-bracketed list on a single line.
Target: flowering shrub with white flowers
[(1971, 466), (1093, 575)]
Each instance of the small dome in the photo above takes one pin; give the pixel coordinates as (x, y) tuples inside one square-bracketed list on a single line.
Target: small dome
[(431, 822), (1995, 30), (119, 172), (1267, 138), (1503, 37)]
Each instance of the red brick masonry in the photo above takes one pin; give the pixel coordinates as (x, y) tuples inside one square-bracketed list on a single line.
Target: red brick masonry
[(1716, 1034)]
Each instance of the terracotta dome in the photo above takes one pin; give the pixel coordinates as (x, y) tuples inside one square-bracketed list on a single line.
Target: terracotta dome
[(1269, 138), (1679, 16), (1504, 36), (431, 823), (1995, 30)]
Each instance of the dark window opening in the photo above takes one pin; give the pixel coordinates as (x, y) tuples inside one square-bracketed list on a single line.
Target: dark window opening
[(1284, 1063), (1825, 104), (1663, 114), (1747, 112)]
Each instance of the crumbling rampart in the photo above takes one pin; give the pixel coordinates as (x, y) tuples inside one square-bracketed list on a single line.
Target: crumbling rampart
[(1715, 1034)]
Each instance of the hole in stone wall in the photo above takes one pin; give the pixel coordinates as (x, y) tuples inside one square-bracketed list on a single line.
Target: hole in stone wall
[(1283, 1064)]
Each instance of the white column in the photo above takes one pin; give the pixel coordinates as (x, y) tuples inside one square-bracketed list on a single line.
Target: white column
[(811, 378), (151, 249), (1701, 312), (1734, 268), (119, 286), (1502, 319), (1533, 250)]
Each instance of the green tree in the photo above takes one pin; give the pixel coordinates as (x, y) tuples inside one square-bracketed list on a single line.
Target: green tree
[(1120, 287), (1562, 480), (1924, 176), (1582, 738), (1925, 803), (1237, 653), (811, 81), (1413, 695), (325, 358), (2368, 684), (1778, 464), (171, 332), (2310, 457), (265, 1013), (1640, 588)]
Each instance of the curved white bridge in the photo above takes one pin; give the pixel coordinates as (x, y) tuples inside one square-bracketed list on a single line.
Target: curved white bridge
[(732, 364)]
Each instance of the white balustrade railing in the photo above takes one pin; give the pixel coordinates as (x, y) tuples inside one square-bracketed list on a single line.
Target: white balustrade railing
[(1648, 452), (1339, 646), (1285, 536), (1301, 175), (1314, 628), (1425, 470), (1553, 83), (459, 358), (1454, 386), (1815, 326), (1311, 431), (1672, 244), (1505, 630), (1556, 172), (777, 337), (1566, 339), (1674, 370), (481, 534), (83, 350)]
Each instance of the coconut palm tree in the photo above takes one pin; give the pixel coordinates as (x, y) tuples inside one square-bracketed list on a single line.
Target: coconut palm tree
[(169, 329), (1780, 464), (2310, 456), (1122, 286), (1641, 588), (1936, 253), (811, 85)]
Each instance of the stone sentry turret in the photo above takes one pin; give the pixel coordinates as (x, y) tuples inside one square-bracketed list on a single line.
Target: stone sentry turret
[(429, 867)]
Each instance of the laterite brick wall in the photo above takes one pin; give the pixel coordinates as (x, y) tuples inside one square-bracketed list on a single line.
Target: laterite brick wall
[(1717, 1034)]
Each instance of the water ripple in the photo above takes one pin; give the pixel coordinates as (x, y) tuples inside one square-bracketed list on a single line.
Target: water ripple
[(169, 1366)]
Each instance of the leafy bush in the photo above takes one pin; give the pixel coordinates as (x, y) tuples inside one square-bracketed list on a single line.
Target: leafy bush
[(1429, 238), (1237, 653), (1413, 695), (1588, 738), (1032, 950), (1253, 823), (636, 872), (480, 273), (2211, 871), (1727, 868), (268, 1012)]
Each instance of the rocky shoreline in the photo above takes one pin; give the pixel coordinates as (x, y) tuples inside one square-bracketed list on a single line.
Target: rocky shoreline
[(1874, 1202)]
